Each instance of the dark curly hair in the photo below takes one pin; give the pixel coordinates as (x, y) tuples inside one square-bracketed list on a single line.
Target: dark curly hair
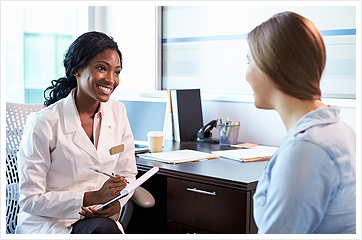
[(83, 49)]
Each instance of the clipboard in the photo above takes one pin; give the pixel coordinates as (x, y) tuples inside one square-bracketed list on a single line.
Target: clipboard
[(131, 187)]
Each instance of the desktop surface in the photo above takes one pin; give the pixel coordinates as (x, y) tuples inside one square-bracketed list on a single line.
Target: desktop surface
[(226, 172)]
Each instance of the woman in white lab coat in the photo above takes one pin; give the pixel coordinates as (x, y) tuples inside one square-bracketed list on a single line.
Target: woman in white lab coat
[(77, 129)]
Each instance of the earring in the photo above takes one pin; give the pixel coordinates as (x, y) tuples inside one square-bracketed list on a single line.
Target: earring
[(77, 74)]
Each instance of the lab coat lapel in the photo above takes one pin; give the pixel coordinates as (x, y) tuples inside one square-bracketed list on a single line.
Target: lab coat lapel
[(107, 128), (72, 125), (81, 140)]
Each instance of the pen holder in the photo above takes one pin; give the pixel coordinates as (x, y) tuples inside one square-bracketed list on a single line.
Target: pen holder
[(228, 133)]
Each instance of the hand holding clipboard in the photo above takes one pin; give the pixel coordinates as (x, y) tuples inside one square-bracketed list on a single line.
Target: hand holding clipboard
[(131, 187)]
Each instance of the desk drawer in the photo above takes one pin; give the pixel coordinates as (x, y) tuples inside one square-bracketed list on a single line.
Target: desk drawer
[(178, 228), (209, 207)]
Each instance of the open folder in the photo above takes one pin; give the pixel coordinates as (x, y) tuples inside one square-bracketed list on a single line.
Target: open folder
[(179, 156), (259, 153), (131, 187)]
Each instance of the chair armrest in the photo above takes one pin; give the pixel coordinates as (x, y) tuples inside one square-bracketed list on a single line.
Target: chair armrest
[(143, 198)]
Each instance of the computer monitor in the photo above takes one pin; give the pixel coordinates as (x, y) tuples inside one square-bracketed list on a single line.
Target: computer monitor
[(146, 114)]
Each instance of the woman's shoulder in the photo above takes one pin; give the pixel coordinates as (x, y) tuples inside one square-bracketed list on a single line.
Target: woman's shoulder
[(50, 110), (114, 105), (47, 115), (323, 127), (321, 146), (335, 138), (114, 102)]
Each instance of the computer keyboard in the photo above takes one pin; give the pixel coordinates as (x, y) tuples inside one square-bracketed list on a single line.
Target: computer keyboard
[(137, 145)]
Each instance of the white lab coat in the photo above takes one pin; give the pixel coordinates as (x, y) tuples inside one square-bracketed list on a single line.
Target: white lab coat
[(53, 161)]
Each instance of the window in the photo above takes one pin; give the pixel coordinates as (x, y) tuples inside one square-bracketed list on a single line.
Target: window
[(205, 47), (202, 47), (38, 36), (43, 55), (36, 40)]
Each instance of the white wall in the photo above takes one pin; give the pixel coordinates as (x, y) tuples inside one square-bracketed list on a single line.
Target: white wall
[(258, 126)]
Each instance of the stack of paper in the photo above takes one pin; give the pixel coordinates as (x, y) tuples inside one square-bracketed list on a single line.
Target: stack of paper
[(179, 156), (259, 153)]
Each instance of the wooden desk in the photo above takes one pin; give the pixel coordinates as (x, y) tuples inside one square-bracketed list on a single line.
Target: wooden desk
[(225, 204)]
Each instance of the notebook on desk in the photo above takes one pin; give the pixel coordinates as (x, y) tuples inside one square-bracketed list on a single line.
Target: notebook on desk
[(144, 115), (179, 156)]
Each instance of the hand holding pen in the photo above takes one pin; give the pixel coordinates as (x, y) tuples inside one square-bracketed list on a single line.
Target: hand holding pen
[(109, 190)]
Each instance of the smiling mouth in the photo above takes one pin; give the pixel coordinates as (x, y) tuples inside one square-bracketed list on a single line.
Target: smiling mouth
[(105, 89)]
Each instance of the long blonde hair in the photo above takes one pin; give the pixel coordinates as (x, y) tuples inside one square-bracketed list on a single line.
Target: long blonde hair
[(290, 51)]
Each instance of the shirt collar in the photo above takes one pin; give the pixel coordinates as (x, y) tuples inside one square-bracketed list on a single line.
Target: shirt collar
[(320, 116), (99, 112)]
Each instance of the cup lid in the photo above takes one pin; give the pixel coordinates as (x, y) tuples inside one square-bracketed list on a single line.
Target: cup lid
[(155, 134)]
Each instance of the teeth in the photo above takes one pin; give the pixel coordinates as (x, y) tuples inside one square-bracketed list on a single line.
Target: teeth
[(104, 89)]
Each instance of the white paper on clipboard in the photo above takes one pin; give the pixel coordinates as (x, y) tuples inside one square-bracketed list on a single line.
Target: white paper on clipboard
[(131, 187)]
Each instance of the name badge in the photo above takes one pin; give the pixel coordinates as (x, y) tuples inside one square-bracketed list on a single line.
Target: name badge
[(117, 149)]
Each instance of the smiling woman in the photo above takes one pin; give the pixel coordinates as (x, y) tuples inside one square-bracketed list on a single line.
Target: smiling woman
[(57, 192), (98, 79), (92, 54), (95, 83)]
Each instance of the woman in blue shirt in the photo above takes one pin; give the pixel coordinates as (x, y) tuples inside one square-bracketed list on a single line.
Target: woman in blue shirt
[(309, 185)]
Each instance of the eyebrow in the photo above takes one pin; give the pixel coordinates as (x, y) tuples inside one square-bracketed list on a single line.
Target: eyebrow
[(107, 63)]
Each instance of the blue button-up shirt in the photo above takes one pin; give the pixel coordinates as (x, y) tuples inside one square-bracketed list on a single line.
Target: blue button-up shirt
[(309, 185)]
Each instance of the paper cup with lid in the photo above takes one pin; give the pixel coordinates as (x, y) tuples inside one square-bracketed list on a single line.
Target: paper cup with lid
[(155, 140)]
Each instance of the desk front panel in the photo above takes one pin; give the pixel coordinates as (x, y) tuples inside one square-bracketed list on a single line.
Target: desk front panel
[(204, 206)]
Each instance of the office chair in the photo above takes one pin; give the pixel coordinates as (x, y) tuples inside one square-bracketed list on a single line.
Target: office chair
[(16, 115)]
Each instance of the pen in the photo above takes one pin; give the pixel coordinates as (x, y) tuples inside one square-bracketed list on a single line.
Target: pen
[(256, 159), (96, 170), (228, 130), (240, 146), (232, 158), (109, 175), (236, 125)]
